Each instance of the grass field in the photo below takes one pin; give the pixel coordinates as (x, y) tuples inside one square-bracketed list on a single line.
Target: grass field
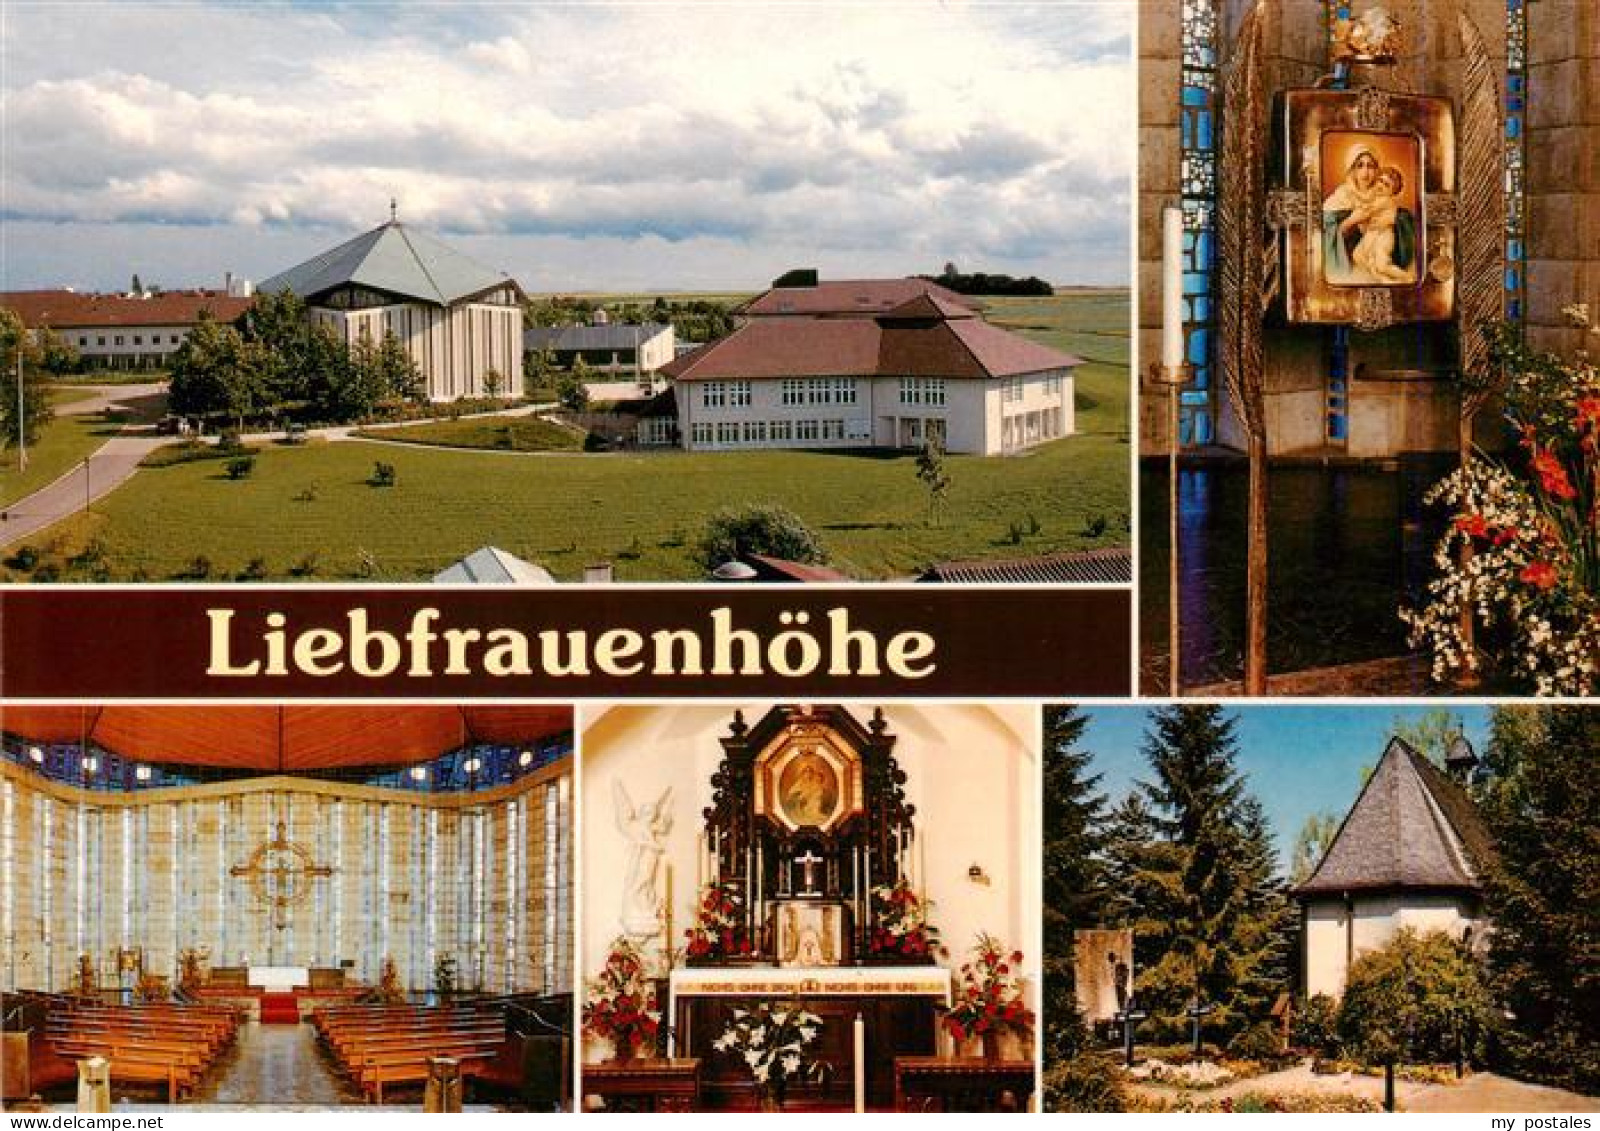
[(63, 443), (642, 512), (517, 434)]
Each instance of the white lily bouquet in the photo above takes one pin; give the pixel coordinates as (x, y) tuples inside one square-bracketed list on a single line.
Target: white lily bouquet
[(775, 1041)]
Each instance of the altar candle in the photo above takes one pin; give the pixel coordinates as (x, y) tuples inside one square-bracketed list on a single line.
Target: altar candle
[(1171, 289), (699, 860), (861, 1063), (922, 868), (666, 913)]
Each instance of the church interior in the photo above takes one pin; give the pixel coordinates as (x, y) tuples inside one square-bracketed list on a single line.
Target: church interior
[(286, 907), (820, 908)]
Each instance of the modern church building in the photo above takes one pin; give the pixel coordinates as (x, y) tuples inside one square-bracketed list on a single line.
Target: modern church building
[(460, 321)]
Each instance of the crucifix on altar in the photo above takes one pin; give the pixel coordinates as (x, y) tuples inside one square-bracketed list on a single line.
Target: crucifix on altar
[(280, 872)]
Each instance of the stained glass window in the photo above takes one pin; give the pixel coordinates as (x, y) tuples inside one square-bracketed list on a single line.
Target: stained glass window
[(1515, 157), (1197, 178)]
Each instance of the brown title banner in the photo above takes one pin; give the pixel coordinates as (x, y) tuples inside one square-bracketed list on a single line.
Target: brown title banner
[(96, 643)]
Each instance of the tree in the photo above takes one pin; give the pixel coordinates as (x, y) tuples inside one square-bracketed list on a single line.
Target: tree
[(1541, 806), (1311, 845), (931, 472), (493, 384), (538, 370), (215, 371), (1195, 862), (766, 529), (1430, 733), (56, 355), (396, 375), (278, 323), (16, 344), (1074, 869), (573, 387), (134, 286), (1418, 999)]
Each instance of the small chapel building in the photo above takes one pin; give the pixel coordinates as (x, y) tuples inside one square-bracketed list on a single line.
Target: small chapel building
[(887, 363), (1410, 853), (460, 321)]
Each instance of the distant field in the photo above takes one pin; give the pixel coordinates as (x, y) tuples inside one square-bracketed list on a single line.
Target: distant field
[(642, 512)]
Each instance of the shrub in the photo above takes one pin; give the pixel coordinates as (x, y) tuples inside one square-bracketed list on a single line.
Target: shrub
[(47, 572), (1033, 524), (1014, 533), (241, 467), (1315, 1026), (306, 566), (1084, 1083), (1095, 527), (198, 569), (25, 559), (255, 570), (758, 529), (383, 474), (1413, 1000), (1257, 1042)]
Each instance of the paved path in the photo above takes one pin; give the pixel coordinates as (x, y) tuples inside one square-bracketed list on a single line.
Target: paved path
[(110, 467), (144, 402), (1480, 1092)]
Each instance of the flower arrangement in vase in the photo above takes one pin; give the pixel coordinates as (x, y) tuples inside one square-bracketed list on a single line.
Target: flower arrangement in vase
[(719, 932), (620, 1003), (774, 1041), (900, 929), (1520, 559), (989, 999)]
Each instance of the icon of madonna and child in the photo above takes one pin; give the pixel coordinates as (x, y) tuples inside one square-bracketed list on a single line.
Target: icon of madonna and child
[(1369, 213)]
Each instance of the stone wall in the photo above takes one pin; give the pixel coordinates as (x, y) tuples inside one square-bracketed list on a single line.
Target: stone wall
[(485, 878), (1563, 169)]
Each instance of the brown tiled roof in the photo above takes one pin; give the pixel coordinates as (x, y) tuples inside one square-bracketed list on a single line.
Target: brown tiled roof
[(866, 347), (848, 296), (1110, 566), (74, 310), (1411, 828), (781, 569)]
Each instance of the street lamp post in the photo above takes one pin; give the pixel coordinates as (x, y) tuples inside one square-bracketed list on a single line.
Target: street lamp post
[(22, 416)]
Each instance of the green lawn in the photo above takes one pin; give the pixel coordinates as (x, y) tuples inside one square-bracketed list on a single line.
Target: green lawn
[(516, 434), (641, 512), (63, 444)]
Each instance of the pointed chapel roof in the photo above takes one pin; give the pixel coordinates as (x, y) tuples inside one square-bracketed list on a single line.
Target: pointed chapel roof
[(395, 259), (1411, 828)]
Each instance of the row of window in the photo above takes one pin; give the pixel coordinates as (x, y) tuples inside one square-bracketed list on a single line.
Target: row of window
[(138, 340), (778, 431), (819, 390), (922, 390), (725, 394)]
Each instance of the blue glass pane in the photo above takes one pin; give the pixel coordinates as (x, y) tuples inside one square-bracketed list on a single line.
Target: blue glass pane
[(1198, 348), (1202, 377), (1195, 282), (1513, 127), (1336, 427), (1514, 250), (1202, 309), (1511, 279), (1514, 308), (1204, 126), (1194, 397), (1194, 96), (1202, 428)]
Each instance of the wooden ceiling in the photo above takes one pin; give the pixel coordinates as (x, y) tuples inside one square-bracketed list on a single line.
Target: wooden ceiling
[(284, 738)]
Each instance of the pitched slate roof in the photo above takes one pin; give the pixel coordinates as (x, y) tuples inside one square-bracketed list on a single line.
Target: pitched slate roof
[(71, 310), (395, 259), (611, 336), (848, 296), (1411, 828), (1083, 567), (925, 342)]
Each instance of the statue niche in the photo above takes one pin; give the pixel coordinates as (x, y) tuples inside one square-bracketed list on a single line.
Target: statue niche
[(808, 816)]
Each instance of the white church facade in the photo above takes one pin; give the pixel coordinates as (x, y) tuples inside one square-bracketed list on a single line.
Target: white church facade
[(460, 321)]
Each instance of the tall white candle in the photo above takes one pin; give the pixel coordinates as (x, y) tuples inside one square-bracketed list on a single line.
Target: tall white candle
[(1171, 288), (861, 1063), (922, 869), (699, 860), (666, 926)]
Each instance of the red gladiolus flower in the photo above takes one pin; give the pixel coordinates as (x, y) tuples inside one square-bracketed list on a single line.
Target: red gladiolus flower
[(1540, 575), (1588, 413), (1552, 476)]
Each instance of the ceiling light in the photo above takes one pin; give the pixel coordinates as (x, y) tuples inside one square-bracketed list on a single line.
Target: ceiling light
[(525, 758), (142, 773), (419, 773), (472, 765), (91, 765), (36, 755)]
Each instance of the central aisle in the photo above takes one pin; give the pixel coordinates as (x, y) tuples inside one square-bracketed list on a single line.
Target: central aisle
[(275, 1064)]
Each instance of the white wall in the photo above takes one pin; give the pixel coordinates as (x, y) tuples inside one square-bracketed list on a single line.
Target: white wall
[(972, 773), (453, 347), (1369, 924)]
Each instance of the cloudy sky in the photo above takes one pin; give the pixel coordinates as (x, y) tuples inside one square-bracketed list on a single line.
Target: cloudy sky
[(578, 146)]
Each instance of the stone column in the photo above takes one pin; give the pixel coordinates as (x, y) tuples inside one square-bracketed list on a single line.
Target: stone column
[(1563, 170), (94, 1084)]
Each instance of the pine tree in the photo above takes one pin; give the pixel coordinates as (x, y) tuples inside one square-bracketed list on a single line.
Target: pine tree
[(1542, 810), (1074, 871), (1210, 920)]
